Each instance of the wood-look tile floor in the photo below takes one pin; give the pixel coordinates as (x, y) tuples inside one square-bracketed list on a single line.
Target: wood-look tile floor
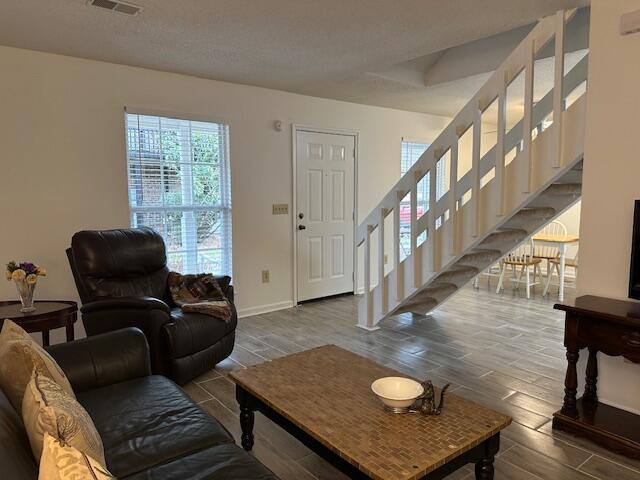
[(503, 351)]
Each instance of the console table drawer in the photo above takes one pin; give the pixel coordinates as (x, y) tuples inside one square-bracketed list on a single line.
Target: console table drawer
[(612, 340)]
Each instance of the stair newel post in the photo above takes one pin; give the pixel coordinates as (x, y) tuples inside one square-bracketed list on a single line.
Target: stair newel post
[(368, 297), (527, 124), (501, 178), (475, 168), (415, 255), (432, 234), (453, 194), (396, 248), (558, 93), (382, 283)]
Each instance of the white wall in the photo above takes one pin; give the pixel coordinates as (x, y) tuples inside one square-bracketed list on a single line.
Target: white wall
[(63, 160), (611, 179)]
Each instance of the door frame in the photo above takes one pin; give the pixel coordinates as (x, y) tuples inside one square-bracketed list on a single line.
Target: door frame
[(295, 128)]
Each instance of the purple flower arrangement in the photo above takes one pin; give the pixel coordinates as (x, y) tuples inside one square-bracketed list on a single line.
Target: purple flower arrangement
[(26, 271)]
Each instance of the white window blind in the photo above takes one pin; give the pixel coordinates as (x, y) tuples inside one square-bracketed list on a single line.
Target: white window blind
[(180, 185), (411, 152)]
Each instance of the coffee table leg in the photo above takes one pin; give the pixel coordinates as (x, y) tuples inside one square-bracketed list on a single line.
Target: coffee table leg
[(484, 466), (45, 338), (484, 469), (246, 417)]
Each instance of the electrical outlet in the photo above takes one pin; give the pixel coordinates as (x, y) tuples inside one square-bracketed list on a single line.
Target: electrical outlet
[(280, 209), (386, 259), (265, 276)]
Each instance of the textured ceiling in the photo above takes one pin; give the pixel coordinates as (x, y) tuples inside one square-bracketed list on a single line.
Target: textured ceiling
[(347, 50)]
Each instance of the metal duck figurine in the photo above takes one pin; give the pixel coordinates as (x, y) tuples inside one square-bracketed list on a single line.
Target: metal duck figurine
[(427, 401)]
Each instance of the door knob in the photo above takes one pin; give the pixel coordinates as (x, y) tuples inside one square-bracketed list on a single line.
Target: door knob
[(301, 227)]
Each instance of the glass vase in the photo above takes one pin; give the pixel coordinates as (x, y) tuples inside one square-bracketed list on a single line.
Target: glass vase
[(25, 290)]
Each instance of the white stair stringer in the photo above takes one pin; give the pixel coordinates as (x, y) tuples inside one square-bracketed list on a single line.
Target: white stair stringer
[(473, 225)]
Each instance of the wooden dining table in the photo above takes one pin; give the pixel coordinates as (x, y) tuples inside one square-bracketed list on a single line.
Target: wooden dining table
[(561, 242)]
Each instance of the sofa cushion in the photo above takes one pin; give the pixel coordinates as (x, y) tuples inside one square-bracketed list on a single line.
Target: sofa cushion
[(48, 409), (220, 462), (19, 355), (61, 461), (16, 459), (149, 421), (192, 332)]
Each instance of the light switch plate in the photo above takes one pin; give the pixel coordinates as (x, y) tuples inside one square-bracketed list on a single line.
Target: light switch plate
[(280, 209)]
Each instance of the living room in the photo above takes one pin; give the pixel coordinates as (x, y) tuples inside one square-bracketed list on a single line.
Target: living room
[(102, 102)]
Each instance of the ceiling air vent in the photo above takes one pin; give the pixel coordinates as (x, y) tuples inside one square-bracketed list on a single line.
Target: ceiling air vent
[(116, 6)]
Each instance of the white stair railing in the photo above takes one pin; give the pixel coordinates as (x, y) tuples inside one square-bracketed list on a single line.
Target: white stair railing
[(443, 211)]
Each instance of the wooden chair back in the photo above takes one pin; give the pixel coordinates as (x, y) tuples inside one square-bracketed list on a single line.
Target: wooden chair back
[(552, 228)]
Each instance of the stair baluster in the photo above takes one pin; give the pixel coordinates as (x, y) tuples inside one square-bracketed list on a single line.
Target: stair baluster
[(382, 281), (453, 195), (527, 125), (432, 235), (558, 91), (475, 169), (502, 121), (368, 295), (415, 253), (396, 248)]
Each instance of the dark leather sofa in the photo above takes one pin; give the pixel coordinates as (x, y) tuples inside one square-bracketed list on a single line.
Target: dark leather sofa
[(149, 427), (121, 276)]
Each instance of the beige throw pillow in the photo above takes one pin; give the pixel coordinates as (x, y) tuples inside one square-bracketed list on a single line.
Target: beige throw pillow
[(63, 462), (19, 355), (13, 331), (47, 408)]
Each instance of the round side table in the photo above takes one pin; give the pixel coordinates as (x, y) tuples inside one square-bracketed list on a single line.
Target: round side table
[(49, 314)]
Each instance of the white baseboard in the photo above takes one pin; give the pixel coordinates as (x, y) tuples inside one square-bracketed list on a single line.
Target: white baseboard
[(270, 307)]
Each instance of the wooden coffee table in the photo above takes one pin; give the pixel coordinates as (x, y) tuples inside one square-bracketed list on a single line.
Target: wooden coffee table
[(323, 398)]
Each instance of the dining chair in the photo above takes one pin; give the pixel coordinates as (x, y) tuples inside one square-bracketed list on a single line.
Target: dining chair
[(549, 252), (521, 258), (555, 266), (492, 271)]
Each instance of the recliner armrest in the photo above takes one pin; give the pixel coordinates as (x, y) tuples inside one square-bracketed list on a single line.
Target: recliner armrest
[(104, 359), (136, 303)]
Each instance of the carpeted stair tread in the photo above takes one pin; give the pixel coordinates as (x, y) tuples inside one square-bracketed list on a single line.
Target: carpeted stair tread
[(505, 237), (564, 189)]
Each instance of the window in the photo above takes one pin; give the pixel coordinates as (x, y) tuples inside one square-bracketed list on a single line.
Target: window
[(180, 185), (411, 152)]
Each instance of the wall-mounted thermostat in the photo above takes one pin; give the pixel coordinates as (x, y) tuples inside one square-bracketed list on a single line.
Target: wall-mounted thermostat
[(630, 23)]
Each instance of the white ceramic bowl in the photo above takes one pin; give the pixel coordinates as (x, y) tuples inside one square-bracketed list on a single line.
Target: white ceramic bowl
[(397, 392)]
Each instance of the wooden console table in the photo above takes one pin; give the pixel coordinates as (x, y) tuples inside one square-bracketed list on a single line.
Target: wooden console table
[(613, 328)]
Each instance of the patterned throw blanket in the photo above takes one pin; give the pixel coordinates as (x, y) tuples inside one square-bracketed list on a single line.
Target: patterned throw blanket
[(200, 294)]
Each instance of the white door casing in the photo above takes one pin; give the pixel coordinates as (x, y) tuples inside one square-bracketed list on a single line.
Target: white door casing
[(325, 166)]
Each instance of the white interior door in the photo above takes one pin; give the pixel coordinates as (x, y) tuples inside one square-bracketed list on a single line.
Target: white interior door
[(325, 166)]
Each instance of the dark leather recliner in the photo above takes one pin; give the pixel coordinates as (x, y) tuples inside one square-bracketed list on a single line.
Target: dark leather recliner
[(121, 276)]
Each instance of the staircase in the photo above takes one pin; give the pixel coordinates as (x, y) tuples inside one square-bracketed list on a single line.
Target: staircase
[(476, 222)]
